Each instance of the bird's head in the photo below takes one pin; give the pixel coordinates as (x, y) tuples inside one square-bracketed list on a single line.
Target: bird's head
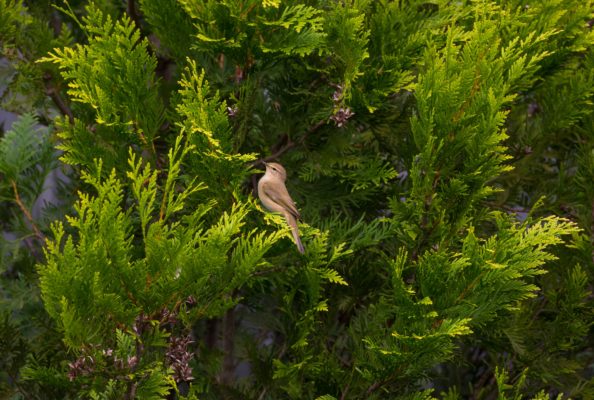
[(276, 170)]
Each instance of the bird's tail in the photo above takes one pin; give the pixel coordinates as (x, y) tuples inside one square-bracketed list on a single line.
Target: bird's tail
[(295, 231)]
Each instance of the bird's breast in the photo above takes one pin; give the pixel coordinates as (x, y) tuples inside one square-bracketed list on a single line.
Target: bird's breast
[(268, 202)]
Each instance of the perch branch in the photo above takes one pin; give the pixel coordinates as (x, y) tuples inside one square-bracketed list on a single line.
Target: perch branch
[(19, 202), (290, 144)]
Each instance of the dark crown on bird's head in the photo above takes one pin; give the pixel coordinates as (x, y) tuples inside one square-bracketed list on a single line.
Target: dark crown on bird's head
[(276, 168)]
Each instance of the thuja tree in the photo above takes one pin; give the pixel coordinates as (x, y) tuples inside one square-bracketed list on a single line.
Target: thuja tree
[(441, 154)]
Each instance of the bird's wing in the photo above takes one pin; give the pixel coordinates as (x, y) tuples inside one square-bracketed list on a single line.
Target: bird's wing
[(280, 195)]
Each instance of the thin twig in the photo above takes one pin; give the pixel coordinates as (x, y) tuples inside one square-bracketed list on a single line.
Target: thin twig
[(228, 347), (56, 23), (33, 248), (290, 144), (17, 199), (379, 384), (592, 229), (131, 10), (375, 386), (345, 392), (131, 392), (470, 286), (54, 94), (274, 156), (507, 208), (254, 186), (266, 271), (262, 394)]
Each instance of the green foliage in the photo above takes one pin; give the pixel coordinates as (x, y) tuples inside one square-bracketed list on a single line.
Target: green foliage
[(101, 271), (25, 36), (440, 153), (22, 149), (170, 24), (204, 118), (13, 15), (114, 76), (348, 40), (254, 28), (26, 159), (177, 258), (14, 349)]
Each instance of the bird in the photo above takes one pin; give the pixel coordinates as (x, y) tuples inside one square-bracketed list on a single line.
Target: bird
[(275, 197)]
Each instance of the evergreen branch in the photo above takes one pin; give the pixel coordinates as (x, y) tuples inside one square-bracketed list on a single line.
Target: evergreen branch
[(476, 85), (17, 199)]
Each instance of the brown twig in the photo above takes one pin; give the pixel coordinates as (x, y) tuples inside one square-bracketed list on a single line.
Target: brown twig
[(56, 23), (274, 156), (131, 392), (345, 392), (379, 384), (592, 229), (17, 199), (262, 394), (228, 347), (254, 185), (470, 286), (375, 386), (507, 208), (54, 94), (290, 144), (131, 11), (33, 248), (266, 271)]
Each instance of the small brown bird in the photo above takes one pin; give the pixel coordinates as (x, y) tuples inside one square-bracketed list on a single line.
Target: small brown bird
[(275, 197)]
